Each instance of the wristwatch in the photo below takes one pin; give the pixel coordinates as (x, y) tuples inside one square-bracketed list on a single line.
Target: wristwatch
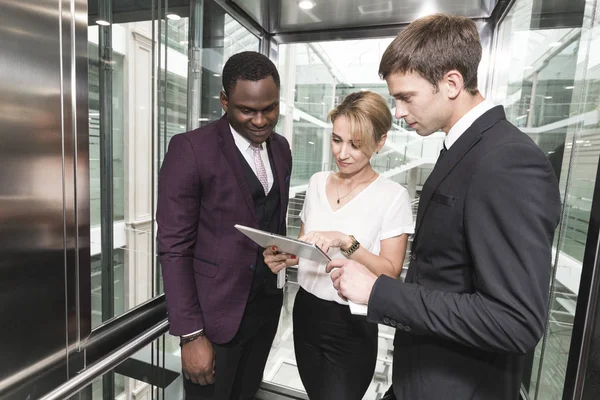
[(186, 339), (353, 247)]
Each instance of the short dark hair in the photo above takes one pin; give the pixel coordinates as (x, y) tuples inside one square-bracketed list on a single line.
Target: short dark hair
[(248, 66), (433, 45)]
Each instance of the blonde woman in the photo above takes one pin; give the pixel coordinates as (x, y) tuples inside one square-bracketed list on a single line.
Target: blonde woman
[(354, 213)]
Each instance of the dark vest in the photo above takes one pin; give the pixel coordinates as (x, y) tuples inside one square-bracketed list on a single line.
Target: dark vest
[(267, 209)]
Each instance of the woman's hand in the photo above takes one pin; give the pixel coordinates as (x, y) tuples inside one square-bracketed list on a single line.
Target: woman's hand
[(327, 240), (278, 261)]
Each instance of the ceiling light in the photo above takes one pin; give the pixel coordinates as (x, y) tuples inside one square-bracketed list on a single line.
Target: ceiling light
[(548, 97), (306, 4), (173, 17), (427, 8), (569, 87), (554, 44), (102, 22), (216, 75)]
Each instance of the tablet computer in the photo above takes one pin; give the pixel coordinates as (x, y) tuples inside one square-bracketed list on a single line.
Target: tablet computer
[(285, 244)]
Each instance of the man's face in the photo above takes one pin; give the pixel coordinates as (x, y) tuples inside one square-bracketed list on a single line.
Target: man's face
[(252, 108), (424, 108)]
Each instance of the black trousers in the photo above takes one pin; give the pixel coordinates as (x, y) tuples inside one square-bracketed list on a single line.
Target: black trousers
[(240, 363), (336, 351)]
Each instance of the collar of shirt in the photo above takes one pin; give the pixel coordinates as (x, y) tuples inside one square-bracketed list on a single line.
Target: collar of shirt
[(241, 142), (243, 145), (466, 121)]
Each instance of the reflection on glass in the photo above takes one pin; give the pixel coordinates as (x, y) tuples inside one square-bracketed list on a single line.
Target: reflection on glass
[(551, 89), (132, 72)]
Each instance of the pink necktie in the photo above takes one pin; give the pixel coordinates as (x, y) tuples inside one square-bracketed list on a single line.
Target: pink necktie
[(261, 172)]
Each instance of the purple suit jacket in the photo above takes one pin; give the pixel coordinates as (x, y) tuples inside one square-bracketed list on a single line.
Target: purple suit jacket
[(208, 265)]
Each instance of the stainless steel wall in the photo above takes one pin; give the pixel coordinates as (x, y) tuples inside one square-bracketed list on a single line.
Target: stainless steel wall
[(44, 199)]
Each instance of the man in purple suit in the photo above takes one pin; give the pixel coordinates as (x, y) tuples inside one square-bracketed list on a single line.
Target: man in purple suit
[(222, 300)]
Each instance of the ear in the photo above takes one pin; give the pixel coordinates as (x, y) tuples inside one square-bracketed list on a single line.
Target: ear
[(381, 143), (454, 83), (224, 100)]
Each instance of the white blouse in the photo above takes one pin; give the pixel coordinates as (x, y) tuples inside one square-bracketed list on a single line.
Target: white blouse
[(380, 211)]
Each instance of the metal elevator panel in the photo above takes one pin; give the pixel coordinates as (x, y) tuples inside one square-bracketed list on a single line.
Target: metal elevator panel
[(44, 217), (283, 16)]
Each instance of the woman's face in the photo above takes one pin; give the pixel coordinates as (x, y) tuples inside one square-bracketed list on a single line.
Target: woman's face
[(349, 158)]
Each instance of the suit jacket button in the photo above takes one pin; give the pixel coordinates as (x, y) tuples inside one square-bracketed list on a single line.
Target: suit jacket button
[(413, 256), (407, 328), (252, 267), (386, 321), (393, 323)]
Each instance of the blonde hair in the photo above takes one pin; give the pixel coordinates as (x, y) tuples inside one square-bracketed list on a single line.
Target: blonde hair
[(369, 118)]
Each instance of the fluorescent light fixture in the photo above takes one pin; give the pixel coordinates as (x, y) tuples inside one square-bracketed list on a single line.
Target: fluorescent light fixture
[(548, 97), (216, 75), (311, 142), (569, 87), (202, 119), (102, 22), (173, 17), (554, 44), (306, 4)]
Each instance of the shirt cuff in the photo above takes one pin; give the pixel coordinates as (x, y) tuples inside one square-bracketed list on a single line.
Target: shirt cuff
[(193, 333)]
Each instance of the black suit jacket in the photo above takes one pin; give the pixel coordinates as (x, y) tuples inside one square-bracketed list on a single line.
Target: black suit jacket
[(476, 293)]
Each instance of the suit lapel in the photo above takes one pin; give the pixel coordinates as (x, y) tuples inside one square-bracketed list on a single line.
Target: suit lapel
[(451, 158), (280, 169), (230, 151)]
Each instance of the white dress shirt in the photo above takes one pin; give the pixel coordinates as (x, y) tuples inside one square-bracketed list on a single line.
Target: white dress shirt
[(380, 211), (466, 121), (244, 145)]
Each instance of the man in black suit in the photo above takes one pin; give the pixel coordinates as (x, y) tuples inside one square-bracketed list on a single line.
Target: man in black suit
[(475, 297)]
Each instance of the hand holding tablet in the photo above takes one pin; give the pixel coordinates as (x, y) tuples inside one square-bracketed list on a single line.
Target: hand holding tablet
[(285, 244)]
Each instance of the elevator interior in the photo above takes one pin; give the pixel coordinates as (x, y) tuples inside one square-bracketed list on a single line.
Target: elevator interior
[(93, 91)]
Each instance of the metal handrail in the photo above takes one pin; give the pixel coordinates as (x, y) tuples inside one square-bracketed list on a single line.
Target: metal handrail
[(106, 364)]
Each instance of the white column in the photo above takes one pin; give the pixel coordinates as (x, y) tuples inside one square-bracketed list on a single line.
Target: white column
[(138, 173), (288, 92)]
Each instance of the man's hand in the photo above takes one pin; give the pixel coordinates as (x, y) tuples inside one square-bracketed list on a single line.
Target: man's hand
[(353, 281), (198, 361)]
